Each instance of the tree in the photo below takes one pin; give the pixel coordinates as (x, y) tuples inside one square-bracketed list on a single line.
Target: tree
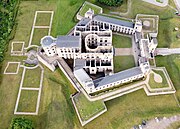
[(111, 2), (21, 123)]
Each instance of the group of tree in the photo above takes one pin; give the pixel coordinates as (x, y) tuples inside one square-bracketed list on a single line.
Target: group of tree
[(111, 2), (8, 11), (21, 123)]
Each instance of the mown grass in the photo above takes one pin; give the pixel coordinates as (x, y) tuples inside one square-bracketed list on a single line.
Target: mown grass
[(12, 68), (39, 33), (56, 109), (28, 101), (86, 7), (123, 62), (86, 108), (17, 46), (154, 84), (32, 78), (120, 41), (43, 19)]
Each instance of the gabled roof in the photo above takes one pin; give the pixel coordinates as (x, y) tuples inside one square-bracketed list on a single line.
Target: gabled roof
[(68, 41), (118, 76), (113, 21)]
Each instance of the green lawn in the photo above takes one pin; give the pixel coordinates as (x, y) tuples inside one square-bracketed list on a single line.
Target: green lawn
[(43, 19), (172, 64), (56, 109), (154, 84), (123, 62), (86, 7), (12, 68), (39, 33), (28, 101), (32, 78), (120, 41), (86, 108), (131, 109), (17, 46)]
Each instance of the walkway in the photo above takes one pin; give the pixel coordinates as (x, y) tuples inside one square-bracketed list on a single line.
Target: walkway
[(167, 51), (163, 4)]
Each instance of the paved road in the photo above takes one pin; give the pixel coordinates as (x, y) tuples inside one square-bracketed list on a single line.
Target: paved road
[(167, 51), (165, 2)]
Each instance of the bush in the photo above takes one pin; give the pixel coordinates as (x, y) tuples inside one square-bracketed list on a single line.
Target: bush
[(8, 12), (111, 2), (21, 123)]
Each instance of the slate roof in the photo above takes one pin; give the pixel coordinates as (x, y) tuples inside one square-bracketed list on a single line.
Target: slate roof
[(79, 64), (68, 41), (113, 21), (83, 22), (118, 76), (46, 41)]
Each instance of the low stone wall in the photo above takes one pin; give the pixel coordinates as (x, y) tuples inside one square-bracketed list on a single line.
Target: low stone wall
[(92, 118), (79, 17), (50, 66)]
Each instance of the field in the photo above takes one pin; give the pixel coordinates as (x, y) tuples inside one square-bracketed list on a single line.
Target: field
[(12, 68), (86, 108), (154, 84), (43, 19), (86, 7), (32, 78), (17, 46), (28, 101), (38, 34), (120, 41), (56, 109), (123, 62)]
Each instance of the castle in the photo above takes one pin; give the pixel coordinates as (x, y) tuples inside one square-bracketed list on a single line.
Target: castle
[(90, 47)]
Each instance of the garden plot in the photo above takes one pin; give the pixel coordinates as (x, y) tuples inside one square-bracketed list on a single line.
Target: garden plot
[(38, 34), (43, 19), (17, 48), (12, 68), (28, 101), (41, 26), (32, 78)]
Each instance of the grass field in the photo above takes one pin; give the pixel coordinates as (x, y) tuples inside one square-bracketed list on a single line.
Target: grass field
[(17, 46), (39, 33), (56, 109), (32, 78), (12, 68), (86, 108), (121, 41), (43, 19), (28, 101), (123, 63), (86, 7), (154, 84)]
